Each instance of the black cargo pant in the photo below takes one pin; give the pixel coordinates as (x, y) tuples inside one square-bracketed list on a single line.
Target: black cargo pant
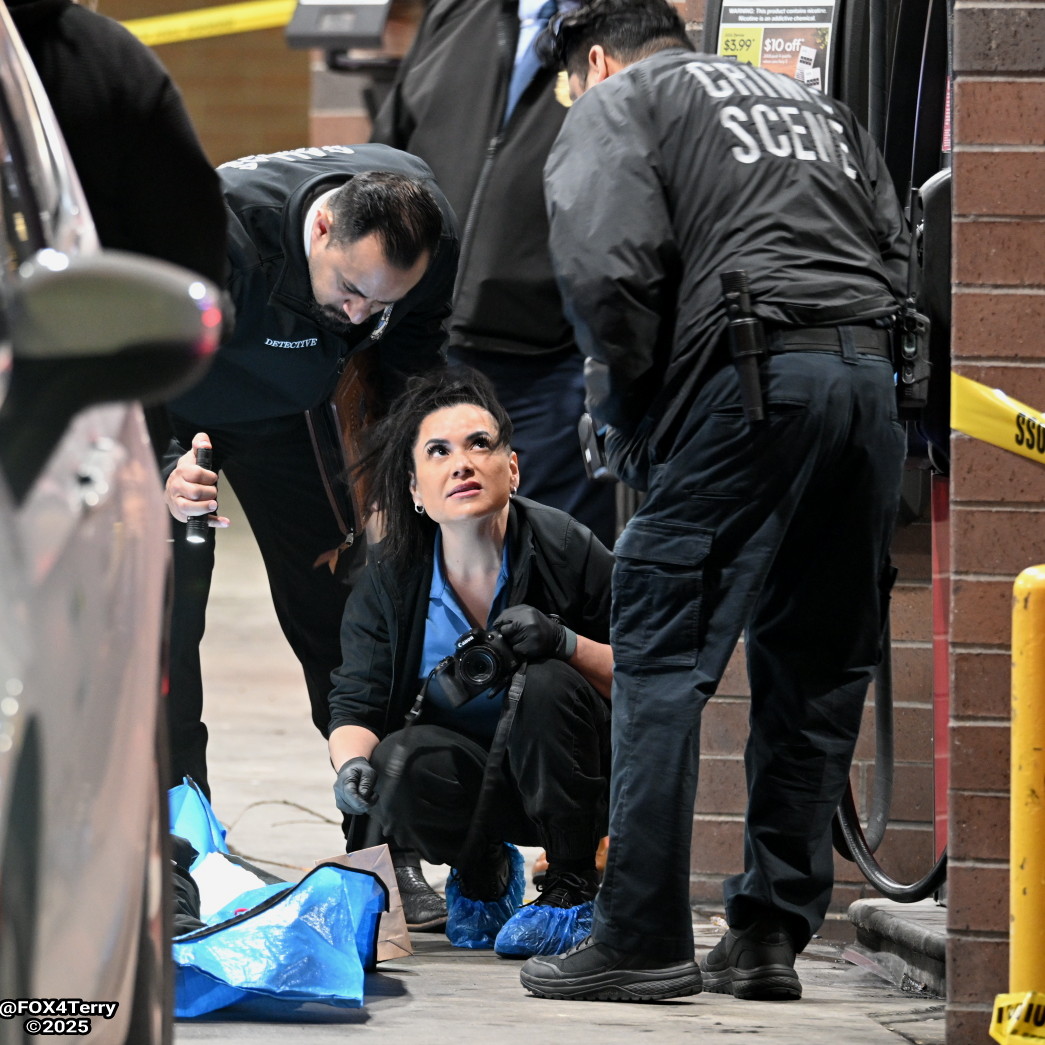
[(782, 529), (553, 784), (272, 469)]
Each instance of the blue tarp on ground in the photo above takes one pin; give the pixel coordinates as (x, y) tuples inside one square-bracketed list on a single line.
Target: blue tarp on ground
[(308, 941), (191, 817)]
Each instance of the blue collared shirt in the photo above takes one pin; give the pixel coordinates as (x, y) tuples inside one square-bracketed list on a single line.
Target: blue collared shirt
[(446, 622)]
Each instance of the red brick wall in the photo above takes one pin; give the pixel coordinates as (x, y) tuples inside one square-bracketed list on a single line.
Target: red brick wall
[(996, 497)]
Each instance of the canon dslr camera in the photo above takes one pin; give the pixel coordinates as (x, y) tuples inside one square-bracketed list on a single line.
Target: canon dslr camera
[(482, 660)]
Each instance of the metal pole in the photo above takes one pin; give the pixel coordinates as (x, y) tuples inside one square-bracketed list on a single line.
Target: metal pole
[(1027, 789)]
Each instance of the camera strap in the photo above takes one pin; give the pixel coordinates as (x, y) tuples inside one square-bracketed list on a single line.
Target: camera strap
[(492, 770), (397, 760)]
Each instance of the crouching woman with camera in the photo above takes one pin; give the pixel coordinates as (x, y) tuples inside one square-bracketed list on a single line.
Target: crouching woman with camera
[(508, 741)]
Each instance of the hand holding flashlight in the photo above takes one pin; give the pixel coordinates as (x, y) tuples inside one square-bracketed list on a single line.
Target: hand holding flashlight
[(192, 491)]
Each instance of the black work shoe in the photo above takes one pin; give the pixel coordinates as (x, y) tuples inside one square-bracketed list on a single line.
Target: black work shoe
[(486, 877), (566, 888), (756, 964), (423, 908), (597, 972)]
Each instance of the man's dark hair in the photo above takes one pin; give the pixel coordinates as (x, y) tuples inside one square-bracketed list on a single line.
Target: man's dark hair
[(626, 29), (400, 209), (390, 463)]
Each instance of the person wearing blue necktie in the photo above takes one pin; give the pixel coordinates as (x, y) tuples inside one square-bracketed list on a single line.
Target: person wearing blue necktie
[(472, 100)]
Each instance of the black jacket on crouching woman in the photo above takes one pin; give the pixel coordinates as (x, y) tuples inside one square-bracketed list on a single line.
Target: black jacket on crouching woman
[(556, 565)]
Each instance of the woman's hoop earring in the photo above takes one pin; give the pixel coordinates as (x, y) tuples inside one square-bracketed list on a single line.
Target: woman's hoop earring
[(419, 508)]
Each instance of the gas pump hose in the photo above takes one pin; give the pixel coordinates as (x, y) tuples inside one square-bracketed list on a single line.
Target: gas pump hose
[(850, 839)]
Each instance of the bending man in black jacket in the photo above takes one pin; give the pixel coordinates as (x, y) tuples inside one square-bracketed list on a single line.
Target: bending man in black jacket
[(672, 169), (331, 250)]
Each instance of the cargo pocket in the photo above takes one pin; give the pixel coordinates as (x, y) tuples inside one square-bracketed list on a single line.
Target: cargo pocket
[(658, 588)]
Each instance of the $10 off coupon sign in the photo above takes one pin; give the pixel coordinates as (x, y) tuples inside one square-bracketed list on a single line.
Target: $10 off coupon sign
[(781, 36)]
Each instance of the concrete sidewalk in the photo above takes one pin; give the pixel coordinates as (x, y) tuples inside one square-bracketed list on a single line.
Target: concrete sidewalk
[(271, 787)]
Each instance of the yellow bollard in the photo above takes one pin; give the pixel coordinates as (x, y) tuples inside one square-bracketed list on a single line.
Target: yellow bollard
[(1027, 789), (1018, 1018)]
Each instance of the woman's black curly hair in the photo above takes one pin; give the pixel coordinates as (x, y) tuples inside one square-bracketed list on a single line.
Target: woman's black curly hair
[(389, 464)]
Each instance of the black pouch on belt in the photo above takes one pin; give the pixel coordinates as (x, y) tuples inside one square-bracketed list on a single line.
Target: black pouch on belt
[(747, 344), (911, 360)]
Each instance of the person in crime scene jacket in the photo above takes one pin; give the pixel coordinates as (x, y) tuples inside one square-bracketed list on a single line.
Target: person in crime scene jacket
[(672, 170)]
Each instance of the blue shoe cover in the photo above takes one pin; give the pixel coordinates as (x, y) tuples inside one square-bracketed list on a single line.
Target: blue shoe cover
[(475, 924), (544, 930)]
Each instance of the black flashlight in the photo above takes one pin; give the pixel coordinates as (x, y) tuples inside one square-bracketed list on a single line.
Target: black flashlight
[(197, 526)]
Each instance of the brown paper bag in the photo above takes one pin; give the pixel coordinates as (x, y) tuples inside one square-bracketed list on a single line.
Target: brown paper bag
[(393, 938)]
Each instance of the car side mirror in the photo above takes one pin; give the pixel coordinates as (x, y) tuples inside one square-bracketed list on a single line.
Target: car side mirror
[(106, 327)]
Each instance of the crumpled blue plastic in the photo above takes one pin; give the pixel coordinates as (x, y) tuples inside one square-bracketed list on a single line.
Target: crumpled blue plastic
[(245, 901), (310, 943), (475, 923), (544, 930), (307, 941), (192, 817)]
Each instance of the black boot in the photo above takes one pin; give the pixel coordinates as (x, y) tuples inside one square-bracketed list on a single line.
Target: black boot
[(755, 963), (423, 907)]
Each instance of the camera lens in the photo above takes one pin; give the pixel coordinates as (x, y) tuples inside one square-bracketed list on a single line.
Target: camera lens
[(478, 666)]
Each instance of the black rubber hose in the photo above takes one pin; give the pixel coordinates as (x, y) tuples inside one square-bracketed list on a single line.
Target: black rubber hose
[(848, 822), (884, 754), (849, 838), (884, 757)]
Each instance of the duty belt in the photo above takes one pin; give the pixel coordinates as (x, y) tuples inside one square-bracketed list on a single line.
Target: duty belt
[(864, 340)]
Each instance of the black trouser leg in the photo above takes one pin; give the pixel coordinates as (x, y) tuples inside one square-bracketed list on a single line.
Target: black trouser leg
[(193, 566), (812, 645), (430, 807), (553, 791), (778, 525), (558, 760), (277, 482), (284, 501)]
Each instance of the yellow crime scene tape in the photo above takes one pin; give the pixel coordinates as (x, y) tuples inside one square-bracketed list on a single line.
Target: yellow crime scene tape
[(212, 21), (991, 416), (1019, 1019)]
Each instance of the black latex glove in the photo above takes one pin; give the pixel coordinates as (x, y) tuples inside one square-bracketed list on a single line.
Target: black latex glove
[(354, 788), (535, 636)]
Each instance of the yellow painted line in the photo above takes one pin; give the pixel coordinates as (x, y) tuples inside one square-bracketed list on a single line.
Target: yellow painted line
[(992, 416), (212, 21)]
